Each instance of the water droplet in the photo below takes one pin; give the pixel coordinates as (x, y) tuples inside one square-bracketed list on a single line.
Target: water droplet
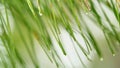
[(101, 59), (113, 54), (40, 13), (89, 9), (86, 13)]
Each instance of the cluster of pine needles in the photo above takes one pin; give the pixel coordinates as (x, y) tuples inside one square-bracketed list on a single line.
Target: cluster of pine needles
[(24, 21)]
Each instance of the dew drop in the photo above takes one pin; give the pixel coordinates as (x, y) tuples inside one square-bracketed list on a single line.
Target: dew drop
[(113, 54), (86, 13), (89, 9), (101, 59), (40, 14)]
